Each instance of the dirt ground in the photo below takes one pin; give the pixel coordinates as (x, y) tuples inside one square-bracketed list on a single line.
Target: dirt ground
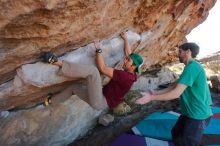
[(103, 136)]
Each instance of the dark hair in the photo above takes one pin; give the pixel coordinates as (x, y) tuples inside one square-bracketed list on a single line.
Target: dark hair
[(194, 48)]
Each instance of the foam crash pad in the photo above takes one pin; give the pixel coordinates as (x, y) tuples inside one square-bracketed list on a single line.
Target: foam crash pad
[(135, 140), (158, 124)]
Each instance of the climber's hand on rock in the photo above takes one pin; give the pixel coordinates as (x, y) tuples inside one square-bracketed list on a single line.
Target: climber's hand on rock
[(123, 35), (97, 45)]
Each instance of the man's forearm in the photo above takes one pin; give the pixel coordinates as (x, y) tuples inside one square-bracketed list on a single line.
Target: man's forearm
[(157, 92), (100, 61), (172, 94), (126, 47), (166, 96)]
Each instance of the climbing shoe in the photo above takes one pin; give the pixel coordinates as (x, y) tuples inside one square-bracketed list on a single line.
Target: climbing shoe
[(49, 57), (47, 100), (122, 109)]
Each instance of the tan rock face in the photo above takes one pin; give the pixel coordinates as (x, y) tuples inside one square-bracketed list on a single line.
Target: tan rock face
[(54, 125), (29, 27), (64, 120), (33, 81)]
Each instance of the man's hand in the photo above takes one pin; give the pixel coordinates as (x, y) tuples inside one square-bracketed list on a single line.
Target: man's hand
[(146, 97), (98, 45), (127, 49), (124, 35)]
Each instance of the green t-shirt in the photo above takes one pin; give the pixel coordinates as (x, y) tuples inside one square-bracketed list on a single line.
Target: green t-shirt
[(195, 101)]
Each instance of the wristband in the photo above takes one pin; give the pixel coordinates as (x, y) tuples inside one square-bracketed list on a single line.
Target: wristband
[(98, 51)]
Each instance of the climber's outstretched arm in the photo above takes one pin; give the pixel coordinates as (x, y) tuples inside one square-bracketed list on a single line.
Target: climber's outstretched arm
[(127, 49), (108, 71)]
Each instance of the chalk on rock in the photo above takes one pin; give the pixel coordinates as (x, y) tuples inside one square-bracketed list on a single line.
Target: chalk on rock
[(4, 114), (106, 119)]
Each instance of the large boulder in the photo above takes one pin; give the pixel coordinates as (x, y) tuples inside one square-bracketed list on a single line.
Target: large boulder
[(215, 83), (29, 27), (68, 28), (62, 122), (38, 79), (52, 125)]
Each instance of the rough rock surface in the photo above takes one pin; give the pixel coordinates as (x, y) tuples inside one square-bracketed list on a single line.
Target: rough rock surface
[(35, 80), (30, 27), (53, 125), (215, 83), (62, 123), (162, 77), (211, 64)]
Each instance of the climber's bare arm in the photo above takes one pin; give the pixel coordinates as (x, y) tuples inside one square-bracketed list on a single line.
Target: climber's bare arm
[(108, 71), (127, 49)]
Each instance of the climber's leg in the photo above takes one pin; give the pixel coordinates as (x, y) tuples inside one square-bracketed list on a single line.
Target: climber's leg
[(62, 96), (93, 93)]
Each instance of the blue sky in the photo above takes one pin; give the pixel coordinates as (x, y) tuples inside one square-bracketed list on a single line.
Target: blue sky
[(207, 34)]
